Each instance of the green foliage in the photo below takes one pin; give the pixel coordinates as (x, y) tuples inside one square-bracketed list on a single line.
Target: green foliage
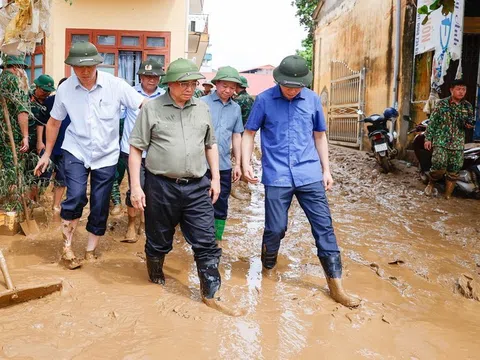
[(448, 6), (305, 9)]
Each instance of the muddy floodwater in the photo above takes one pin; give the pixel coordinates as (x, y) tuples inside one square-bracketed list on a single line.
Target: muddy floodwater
[(415, 262)]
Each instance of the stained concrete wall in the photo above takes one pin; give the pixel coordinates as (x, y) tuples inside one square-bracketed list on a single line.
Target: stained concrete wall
[(362, 34), (147, 15)]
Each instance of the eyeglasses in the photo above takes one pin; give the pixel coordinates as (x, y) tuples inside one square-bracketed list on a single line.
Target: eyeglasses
[(188, 84)]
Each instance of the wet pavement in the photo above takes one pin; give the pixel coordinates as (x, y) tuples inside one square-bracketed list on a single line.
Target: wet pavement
[(404, 255)]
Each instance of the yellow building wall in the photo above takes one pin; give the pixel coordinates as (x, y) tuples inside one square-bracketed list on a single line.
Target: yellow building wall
[(148, 15), (359, 33)]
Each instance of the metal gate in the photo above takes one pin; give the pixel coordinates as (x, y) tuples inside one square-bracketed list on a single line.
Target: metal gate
[(347, 96)]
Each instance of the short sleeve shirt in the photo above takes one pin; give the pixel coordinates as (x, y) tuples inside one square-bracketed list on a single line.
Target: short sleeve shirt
[(93, 134), (289, 155), (227, 120), (175, 138)]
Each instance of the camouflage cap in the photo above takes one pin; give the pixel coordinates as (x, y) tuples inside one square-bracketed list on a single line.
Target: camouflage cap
[(45, 82), (150, 67), (13, 60)]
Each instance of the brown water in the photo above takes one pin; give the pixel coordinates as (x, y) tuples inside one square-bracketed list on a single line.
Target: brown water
[(410, 310)]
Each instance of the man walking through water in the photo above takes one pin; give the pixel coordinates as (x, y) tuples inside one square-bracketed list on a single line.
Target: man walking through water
[(92, 99), (445, 134), (294, 162), (177, 131)]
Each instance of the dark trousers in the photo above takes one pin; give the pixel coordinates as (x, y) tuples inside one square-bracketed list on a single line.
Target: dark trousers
[(101, 182), (169, 204), (313, 200), (221, 205), (124, 158)]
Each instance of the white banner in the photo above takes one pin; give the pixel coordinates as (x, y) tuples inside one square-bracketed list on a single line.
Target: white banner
[(442, 34)]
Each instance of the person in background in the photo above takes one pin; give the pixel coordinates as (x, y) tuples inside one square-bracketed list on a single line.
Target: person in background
[(149, 72), (227, 122), (445, 135), (207, 88)]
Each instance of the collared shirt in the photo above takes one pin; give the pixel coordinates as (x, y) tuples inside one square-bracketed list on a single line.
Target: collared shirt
[(447, 124), (131, 117), (93, 134), (175, 138), (227, 120), (289, 155)]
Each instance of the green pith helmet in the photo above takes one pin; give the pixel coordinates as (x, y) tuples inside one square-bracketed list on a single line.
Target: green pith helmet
[(13, 60), (83, 53), (208, 83), (293, 71), (150, 67), (244, 82), (45, 82), (227, 73), (182, 70)]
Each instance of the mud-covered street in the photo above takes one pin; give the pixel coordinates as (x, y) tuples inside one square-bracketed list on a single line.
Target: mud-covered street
[(404, 255)]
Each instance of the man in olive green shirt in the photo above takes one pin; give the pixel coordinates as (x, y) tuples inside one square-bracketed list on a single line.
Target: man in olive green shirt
[(177, 131)]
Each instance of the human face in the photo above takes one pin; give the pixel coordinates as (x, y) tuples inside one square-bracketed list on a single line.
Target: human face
[(458, 92), (225, 89), (207, 88), (41, 94), (85, 74), (149, 83), (290, 92), (182, 91)]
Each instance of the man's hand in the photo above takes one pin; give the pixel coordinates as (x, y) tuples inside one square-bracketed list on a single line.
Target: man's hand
[(428, 145), (469, 126), (214, 190), (249, 174), (40, 147), (327, 180), (137, 197), (42, 165), (25, 146), (237, 173)]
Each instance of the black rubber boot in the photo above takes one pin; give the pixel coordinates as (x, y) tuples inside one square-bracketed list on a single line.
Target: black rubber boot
[(155, 269), (209, 276), (269, 260), (332, 265)]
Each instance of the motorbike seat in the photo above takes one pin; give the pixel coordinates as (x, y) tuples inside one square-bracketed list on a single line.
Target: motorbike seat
[(374, 118)]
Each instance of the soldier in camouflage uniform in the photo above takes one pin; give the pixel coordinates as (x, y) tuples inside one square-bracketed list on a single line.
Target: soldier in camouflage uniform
[(244, 99), (198, 93), (18, 109), (446, 135)]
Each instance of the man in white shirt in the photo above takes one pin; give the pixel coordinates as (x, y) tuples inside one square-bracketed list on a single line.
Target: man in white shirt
[(149, 72), (92, 99)]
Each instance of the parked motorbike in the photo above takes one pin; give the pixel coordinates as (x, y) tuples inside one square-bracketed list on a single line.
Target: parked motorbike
[(382, 139), (469, 176)]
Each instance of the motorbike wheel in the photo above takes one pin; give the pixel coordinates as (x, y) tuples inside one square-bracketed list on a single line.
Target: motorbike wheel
[(384, 163)]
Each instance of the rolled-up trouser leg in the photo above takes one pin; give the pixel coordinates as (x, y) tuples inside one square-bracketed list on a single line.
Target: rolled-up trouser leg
[(313, 200), (76, 177), (101, 182), (162, 213)]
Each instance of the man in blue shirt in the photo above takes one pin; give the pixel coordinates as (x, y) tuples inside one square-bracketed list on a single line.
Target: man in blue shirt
[(149, 72), (227, 122), (294, 162)]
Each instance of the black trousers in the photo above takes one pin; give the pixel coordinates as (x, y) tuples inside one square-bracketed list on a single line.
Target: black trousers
[(170, 204), (221, 205)]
